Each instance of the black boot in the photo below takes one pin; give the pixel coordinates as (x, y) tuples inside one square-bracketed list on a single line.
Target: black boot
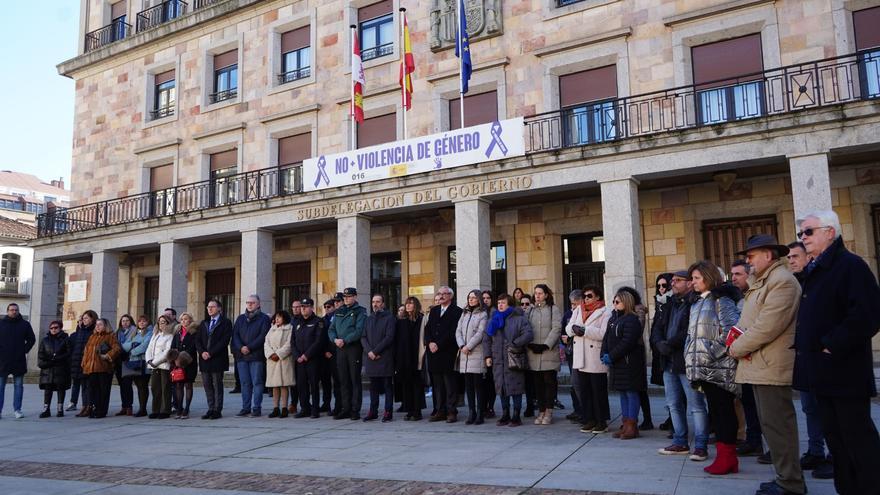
[(504, 420), (666, 425), (515, 420), (472, 417), (479, 419), (276, 412), (647, 424), (530, 411)]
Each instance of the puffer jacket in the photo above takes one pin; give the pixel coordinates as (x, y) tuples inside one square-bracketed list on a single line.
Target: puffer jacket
[(705, 354), (622, 343), (469, 333), (546, 321), (157, 351), (586, 355), (53, 359)]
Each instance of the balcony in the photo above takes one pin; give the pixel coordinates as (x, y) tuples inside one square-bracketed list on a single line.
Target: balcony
[(219, 96), (110, 33), (162, 112), (9, 285), (377, 51), (160, 14), (831, 81), (786, 90), (294, 75)]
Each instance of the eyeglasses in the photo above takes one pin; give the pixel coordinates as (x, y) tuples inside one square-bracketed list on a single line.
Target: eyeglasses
[(445, 293), (810, 231), (616, 301), (526, 303), (54, 327), (589, 296), (662, 286)]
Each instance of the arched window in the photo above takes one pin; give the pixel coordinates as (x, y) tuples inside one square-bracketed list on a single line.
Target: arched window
[(9, 266)]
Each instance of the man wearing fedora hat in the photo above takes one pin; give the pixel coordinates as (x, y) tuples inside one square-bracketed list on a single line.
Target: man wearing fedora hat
[(766, 358), (346, 331)]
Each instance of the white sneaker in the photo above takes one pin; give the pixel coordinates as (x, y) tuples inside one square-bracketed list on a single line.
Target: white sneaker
[(18, 415), (71, 406)]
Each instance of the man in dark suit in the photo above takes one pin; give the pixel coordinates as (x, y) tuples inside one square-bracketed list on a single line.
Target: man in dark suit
[(212, 345), (836, 321), (440, 341)]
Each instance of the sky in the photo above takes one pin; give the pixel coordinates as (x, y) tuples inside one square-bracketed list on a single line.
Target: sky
[(37, 125)]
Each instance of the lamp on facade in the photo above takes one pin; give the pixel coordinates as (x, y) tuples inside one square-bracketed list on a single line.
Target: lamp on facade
[(724, 179)]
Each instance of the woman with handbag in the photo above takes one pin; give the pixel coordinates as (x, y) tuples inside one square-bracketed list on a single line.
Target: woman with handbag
[(625, 358), (135, 368), (100, 352), (546, 321), (53, 358), (469, 336), (708, 366), (184, 343), (124, 332), (507, 333), (159, 357), (589, 320)]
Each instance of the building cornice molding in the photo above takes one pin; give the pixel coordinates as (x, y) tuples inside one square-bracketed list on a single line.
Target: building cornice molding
[(220, 130), (291, 113), (581, 42), (712, 11), (157, 146)]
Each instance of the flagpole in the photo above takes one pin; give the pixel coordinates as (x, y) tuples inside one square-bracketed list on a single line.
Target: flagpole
[(351, 110), (460, 64), (403, 73)]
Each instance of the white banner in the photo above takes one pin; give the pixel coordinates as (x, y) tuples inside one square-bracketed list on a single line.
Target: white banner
[(481, 143)]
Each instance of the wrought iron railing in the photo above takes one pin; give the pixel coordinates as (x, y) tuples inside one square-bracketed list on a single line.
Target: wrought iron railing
[(114, 31), (223, 95), (245, 187), (198, 4), (9, 285), (160, 14), (294, 75), (162, 112), (377, 51), (831, 81)]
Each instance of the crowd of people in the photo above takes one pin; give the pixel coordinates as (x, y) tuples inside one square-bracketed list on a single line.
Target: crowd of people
[(728, 354)]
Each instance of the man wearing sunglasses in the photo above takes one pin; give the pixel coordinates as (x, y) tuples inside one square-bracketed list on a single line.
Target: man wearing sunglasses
[(835, 323)]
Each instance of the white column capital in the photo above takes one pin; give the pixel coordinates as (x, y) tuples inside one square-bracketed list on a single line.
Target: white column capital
[(613, 180)]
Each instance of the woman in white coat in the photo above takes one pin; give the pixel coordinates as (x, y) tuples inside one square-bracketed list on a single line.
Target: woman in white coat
[(279, 365), (587, 325), (159, 357), (469, 336)]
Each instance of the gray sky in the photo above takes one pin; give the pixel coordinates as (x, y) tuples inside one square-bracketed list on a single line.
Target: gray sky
[(37, 124)]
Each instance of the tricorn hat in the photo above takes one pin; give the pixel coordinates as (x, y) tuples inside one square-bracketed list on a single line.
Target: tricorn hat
[(763, 241), (350, 291)]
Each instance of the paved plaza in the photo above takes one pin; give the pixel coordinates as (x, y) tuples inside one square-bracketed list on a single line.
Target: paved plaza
[(262, 455)]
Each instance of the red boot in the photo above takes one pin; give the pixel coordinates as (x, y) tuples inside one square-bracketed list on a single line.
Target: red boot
[(725, 460)]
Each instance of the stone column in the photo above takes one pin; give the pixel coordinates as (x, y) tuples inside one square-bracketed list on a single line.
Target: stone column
[(472, 247), (622, 230), (810, 183), (173, 276), (353, 255), (256, 268), (105, 285), (44, 301)]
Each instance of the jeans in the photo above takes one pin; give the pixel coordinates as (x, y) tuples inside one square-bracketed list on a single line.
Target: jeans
[(18, 391), (253, 380), (629, 404), (815, 437), (678, 388)]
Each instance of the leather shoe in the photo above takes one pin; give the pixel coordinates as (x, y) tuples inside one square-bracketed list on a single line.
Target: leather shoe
[(216, 415), (437, 417), (749, 450), (208, 415), (824, 471), (810, 461), (452, 418), (772, 488)]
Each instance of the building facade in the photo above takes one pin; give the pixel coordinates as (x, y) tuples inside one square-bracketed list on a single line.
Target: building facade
[(657, 133)]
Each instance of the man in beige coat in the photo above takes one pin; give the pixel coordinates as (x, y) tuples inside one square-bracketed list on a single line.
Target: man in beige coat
[(766, 357)]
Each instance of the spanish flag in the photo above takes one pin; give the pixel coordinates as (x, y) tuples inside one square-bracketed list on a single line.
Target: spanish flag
[(407, 67), (357, 80)]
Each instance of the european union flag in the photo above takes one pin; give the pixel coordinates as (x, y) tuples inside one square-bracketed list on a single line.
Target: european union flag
[(463, 48)]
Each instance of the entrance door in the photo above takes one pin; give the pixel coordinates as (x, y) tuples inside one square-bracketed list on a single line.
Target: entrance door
[(220, 285), (151, 298), (385, 279), (583, 261), (293, 282)]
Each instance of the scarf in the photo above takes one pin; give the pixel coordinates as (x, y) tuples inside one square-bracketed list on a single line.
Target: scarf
[(661, 299), (588, 307), (497, 321)]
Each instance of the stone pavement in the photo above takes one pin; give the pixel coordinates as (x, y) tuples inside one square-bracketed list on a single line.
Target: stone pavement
[(262, 455)]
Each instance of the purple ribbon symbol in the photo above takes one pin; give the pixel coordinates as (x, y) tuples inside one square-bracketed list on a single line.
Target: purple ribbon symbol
[(496, 140), (322, 172)]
